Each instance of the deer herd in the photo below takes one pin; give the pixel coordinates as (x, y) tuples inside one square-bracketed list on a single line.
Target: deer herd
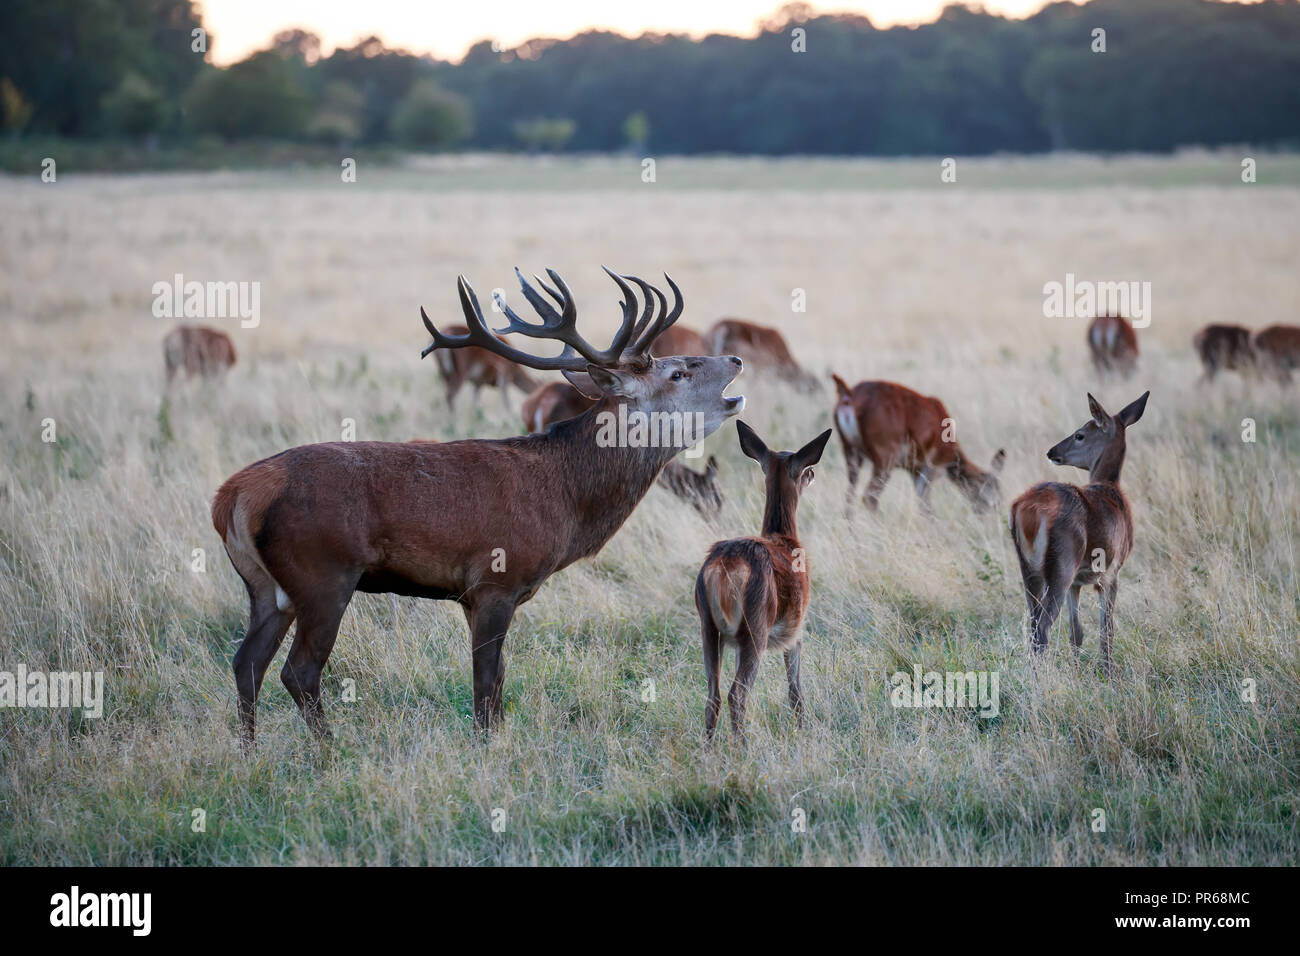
[(485, 522)]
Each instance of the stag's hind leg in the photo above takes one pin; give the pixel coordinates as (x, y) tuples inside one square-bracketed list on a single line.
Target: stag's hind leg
[(792, 679), (268, 622), (1109, 591), (1076, 629), (712, 646), (318, 629)]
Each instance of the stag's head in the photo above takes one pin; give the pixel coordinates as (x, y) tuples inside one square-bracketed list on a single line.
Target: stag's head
[(626, 372)]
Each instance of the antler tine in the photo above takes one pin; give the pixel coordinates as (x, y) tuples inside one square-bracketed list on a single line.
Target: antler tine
[(629, 324), (481, 336), (664, 320), (649, 293)]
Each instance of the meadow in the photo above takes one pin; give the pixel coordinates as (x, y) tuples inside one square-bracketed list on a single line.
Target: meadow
[(108, 559)]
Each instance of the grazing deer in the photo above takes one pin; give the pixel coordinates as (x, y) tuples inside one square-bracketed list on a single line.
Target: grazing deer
[(680, 340), (895, 427), (1277, 350), (479, 367), (197, 350), (481, 522), (762, 348), (1223, 347), (557, 401), (700, 489), (1114, 345), (1067, 536), (752, 593)]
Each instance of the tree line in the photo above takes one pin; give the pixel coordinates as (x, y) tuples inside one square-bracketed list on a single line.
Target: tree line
[(1110, 75)]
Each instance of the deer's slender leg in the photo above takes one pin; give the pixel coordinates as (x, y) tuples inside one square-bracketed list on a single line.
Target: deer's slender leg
[(489, 621), (1109, 592), (792, 679), (267, 625), (503, 383), (923, 479), (880, 471), (712, 643), (853, 459), (1076, 630), (1057, 580), (746, 670), (318, 628)]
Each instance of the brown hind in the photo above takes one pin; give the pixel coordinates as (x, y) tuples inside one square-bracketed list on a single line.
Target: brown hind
[(752, 593)]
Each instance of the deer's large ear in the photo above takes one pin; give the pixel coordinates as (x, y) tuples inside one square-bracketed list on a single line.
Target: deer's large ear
[(608, 381), (752, 445), (583, 383), (1099, 414), (809, 454), (1133, 411)]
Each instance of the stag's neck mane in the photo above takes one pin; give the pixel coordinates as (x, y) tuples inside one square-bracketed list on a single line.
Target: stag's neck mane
[(603, 484)]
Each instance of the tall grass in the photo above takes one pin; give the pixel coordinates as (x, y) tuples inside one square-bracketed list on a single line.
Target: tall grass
[(939, 290)]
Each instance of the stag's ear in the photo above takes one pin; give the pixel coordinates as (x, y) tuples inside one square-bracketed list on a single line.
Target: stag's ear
[(1099, 414), (999, 459), (609, 381), (1133, 411), (809, 454), (752, 445), (583, 383)]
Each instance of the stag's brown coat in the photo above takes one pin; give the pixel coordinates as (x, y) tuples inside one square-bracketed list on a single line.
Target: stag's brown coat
[(480, 522)]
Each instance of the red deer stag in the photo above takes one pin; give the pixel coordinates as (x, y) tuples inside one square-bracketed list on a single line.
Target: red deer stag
[(197, 350), (895, 427), (1277, 350), (1223, 347), (557, 401), (762, 348), (752, 593), (1114, 345), (478, 367), (480, 522), (1067, 536)]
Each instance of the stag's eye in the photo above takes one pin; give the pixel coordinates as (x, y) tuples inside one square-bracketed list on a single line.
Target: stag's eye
[(1079, 436), (677, 376)]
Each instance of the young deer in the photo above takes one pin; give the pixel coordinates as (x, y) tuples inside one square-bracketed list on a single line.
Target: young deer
[(751, 593), (480, 522), (1067, 536), (197, 350), (1223, 347), (477, 367), (894, 427), (762, 347), (1277, 350)]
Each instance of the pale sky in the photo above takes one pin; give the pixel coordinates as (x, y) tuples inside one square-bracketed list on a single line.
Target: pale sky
[(447, 28)]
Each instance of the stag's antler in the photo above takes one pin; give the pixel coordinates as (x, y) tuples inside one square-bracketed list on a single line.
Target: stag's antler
[(562, 326)]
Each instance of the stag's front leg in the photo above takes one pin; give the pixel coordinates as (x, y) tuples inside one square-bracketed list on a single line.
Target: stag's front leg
[(488, 623)]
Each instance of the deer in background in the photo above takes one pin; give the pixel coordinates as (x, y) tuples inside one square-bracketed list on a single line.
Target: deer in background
[(680, 340), (1114, 345), (479, 367), (1277, 350), (1223, 347), (557, 401), (761, 347), (895, 427), (1067, 536), (197, 350), (752, 593), (481, 522)]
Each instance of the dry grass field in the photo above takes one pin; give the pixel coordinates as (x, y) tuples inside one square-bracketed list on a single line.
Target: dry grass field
[(935, 286)]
